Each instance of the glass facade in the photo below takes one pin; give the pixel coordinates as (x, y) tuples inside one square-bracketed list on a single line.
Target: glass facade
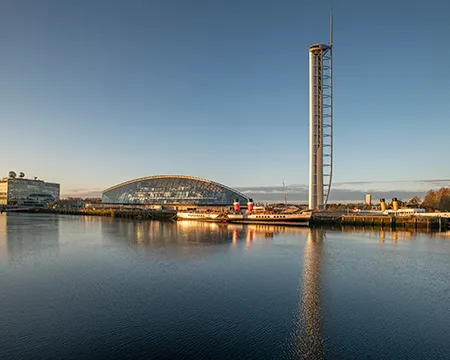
[(3, 192), (168, 189), (28, 192)]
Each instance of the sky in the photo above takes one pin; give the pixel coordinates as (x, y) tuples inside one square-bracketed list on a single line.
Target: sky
[(94, 93)]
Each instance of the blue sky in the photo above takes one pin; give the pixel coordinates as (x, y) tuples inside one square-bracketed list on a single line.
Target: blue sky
[(99, 92)]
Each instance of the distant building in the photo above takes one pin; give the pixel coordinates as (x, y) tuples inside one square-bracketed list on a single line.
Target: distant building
[(368, 199), (27, 192), (174, 190)]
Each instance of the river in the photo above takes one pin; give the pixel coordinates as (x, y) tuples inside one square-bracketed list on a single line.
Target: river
[(76, 287)]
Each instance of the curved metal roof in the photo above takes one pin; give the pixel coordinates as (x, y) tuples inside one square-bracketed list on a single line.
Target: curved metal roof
[(319, 47), (174, 177)]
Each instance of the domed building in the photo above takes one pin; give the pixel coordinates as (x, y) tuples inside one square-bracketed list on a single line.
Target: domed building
[(172, 190)]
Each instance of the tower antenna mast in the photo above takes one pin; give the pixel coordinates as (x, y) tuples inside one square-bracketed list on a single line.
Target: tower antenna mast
[(331, 27)]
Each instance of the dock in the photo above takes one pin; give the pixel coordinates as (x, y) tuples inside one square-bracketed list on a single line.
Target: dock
[(424, 221), (398, 222)]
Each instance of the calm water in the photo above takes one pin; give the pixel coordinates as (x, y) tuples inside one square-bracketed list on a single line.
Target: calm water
[(87, 287)]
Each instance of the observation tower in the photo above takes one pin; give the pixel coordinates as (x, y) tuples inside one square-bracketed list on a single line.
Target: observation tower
[(320, 122)]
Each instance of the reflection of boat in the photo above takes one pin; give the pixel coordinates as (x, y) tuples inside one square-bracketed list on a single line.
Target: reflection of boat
[(263, 228), (196, 216)]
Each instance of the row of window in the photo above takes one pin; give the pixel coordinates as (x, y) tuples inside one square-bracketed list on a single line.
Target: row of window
[(270, 216)]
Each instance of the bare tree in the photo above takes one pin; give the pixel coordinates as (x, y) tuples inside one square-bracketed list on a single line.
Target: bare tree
[(415, 200)]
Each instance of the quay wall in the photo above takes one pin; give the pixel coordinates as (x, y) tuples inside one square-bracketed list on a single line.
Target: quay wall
[(139, 214), (433, 222), (397, 222)]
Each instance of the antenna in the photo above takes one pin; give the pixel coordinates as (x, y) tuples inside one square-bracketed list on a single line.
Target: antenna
[(284, 189), (331, 27)]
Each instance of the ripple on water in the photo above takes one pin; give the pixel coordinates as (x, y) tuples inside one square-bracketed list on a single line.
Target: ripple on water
[(78, 287)]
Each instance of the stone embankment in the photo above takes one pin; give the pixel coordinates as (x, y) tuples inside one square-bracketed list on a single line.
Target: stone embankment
[(139, 214)]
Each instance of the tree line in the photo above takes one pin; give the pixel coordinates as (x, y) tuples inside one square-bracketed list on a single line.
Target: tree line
[(437, 200), (434, 200)]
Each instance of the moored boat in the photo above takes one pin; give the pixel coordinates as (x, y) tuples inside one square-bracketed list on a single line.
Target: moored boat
[(185, 215), (255, 215), (263, 216), (269, 218)]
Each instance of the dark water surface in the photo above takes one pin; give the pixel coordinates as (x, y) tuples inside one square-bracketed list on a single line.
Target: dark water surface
[(91, 287)]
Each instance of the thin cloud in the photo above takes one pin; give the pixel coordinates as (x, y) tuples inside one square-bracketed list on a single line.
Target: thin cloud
[(340, 191), (83, 193), (348, 191), (84, 190)]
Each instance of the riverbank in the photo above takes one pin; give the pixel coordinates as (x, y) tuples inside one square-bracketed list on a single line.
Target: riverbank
[(139, 214), (320, 218)]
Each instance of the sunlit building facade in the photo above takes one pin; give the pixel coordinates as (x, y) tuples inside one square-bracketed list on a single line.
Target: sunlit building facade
[(172, 190), (27, 192)]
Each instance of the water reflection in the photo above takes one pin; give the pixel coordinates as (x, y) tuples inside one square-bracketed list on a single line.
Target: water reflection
[(25, 237), (393, 235), (309, 336), (157, 233), (3, 243), (384, 236), (441, 235), (191, 233)]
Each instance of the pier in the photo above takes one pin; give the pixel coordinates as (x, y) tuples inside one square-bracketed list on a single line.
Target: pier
[(430, 221), (398, 222)]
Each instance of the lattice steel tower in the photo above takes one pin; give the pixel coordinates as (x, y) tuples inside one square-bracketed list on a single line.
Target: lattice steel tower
[(320, 122)]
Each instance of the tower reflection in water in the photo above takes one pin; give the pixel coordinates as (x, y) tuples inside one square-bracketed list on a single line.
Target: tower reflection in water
[(307, 340), (308, 337)]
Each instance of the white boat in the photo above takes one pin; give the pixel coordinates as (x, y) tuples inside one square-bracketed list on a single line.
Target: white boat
[(269, 218), (196, 215)]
